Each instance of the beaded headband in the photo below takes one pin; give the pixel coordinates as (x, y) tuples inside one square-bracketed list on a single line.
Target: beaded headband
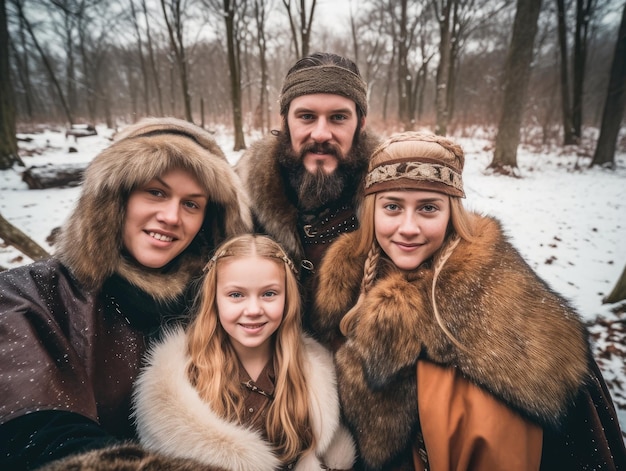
[(226, 253), (414, 173)]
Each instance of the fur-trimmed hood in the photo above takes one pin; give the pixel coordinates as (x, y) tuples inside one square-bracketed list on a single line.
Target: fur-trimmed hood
[(274, 211), (519, 340), (90, 241), (173, 419)]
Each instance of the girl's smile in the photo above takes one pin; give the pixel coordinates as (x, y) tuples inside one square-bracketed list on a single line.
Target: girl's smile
[(410, 226)]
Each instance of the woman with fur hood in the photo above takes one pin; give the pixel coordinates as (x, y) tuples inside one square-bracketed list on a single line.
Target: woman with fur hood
[(451, 353), (243, 388), (74, 328)]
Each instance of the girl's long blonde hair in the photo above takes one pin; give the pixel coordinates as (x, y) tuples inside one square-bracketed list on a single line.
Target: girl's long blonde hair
[(460, 226), (213, 364)]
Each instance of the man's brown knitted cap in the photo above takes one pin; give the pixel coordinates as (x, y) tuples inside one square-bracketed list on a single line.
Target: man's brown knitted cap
[(324, 79)]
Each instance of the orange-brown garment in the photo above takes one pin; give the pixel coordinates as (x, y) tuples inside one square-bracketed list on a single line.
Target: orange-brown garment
[(465, 428)]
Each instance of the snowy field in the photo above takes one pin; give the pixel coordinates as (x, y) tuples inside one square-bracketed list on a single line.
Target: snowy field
[(569, 222)]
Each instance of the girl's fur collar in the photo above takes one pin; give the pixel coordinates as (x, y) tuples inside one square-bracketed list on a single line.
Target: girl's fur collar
[(172, 418)]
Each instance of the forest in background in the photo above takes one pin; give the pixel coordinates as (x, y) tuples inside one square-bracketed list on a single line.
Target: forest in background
[(549, 73), (428, 63)]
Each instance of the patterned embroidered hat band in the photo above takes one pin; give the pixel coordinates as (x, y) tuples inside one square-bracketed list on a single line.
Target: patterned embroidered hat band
[(414, 174), (324, 79)]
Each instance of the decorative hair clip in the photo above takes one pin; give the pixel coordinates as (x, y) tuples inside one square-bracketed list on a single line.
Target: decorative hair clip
[(289, 263)]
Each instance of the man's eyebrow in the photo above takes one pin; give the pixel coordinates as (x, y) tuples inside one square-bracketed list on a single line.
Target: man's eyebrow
[(305, 109)]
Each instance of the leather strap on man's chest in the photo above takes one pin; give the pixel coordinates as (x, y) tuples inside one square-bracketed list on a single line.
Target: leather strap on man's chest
[(317, 232)]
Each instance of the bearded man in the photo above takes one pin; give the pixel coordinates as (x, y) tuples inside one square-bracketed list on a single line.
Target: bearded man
[(303, 180)]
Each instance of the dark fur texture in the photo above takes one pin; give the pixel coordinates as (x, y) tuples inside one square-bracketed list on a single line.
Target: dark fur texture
[(274, 206), (520, 341), (125, 457)]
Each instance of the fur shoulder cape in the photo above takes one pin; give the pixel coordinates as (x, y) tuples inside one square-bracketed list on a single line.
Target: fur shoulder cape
[(517, 338), (173, 419)]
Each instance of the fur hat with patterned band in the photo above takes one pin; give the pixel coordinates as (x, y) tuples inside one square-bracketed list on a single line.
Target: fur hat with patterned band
[(416, 161), (326, 78)]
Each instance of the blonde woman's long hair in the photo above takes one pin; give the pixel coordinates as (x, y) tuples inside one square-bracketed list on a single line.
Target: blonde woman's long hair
[(460, 226), (213, 364)]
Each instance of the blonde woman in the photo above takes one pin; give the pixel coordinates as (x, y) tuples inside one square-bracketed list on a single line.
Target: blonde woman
[(243, 388), (451, 353)]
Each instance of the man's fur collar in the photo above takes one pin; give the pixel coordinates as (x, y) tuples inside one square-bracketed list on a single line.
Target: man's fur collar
[(260, 172), (173, 419), (520, 340)]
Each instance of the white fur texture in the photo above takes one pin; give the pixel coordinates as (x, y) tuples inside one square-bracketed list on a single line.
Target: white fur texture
[(172, 418)]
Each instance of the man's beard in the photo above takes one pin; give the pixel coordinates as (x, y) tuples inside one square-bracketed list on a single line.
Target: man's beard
[(317, 190)]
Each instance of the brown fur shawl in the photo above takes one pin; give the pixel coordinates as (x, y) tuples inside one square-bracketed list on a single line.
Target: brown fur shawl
[(519, 340)]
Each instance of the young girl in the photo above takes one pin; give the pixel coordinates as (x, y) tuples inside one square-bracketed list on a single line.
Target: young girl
[(451, 353), (74, 328), (243, 388)]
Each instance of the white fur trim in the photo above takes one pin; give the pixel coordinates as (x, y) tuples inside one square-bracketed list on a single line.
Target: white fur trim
[(172, 418), (334, 445), (342, 451)]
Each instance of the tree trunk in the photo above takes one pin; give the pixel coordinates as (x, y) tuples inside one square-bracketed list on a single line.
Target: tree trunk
[(155, 71), (614, 104), (175, 32), (8, 140), (234, 66), (47, 64), (566, 109), (516, 77), (264, 115), (619, 291), (142, 62), (584, 10), (302, 37), (306, 24), (443, 69), (404, 75), (23, 70), (15, 237)]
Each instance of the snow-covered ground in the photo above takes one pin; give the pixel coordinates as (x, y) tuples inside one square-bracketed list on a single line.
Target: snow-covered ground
[(569, 223)]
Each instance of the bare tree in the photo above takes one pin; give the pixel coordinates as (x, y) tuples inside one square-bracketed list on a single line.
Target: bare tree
[(46, 62), (618, 293), (443, 13), (516, 77), (566, 107), (370, 43), (233, 12), (584, 14), (22, 61), (15, 237), (300, 23), (8, 141), (261, 8), (614, 104), (142, 61), (404, 38), (153, 66), (173, 14)]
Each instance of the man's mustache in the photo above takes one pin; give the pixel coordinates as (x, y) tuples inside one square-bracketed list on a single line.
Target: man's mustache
[(323, 148)]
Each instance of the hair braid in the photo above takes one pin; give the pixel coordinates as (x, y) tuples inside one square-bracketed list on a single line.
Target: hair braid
[(370, 269)]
